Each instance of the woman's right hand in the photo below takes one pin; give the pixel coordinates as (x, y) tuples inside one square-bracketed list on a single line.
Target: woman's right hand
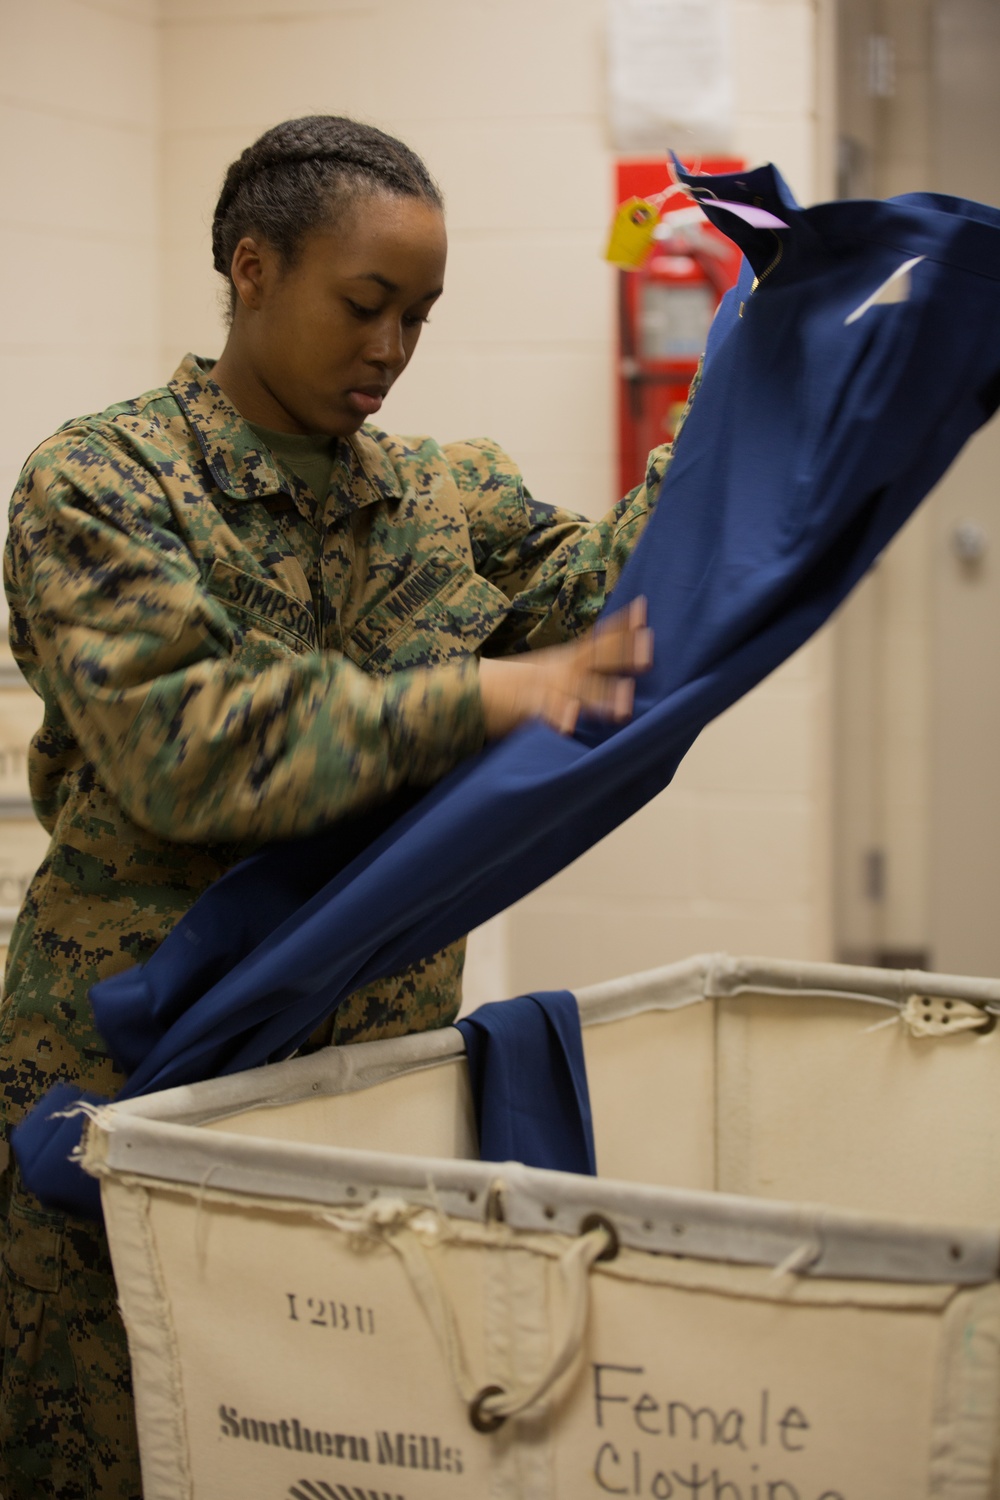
[(593, 676)]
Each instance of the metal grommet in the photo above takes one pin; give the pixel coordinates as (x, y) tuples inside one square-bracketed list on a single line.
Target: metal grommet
[(598, 1221), (485, 1421)]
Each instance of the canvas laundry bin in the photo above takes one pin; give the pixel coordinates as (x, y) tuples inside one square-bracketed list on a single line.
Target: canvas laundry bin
[(782, 1285)]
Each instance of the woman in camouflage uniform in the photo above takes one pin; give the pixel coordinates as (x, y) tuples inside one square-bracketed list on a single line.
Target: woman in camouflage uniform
[(247, 614)]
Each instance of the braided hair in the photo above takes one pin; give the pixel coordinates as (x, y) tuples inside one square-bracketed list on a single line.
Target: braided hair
[(299, 173)]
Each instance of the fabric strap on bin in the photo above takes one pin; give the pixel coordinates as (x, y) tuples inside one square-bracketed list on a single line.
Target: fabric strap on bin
[(859, 351), (491, 1406)]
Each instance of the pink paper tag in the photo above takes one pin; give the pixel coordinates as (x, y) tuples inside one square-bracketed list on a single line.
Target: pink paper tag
[(757, 218)]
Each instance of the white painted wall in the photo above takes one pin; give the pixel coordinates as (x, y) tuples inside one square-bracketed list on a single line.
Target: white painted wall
[(79, 251), (79, 212), (505, 99)]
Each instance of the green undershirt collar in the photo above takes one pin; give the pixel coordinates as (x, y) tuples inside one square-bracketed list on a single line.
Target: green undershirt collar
[(309, 455)]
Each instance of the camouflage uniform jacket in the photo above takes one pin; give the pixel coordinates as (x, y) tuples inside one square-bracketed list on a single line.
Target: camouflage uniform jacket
[(225, 660)]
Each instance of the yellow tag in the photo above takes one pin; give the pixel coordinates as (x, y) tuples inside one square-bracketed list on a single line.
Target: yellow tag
[(631, 233)]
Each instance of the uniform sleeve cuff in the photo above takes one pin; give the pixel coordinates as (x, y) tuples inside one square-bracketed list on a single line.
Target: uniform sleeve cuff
[(434, 717)]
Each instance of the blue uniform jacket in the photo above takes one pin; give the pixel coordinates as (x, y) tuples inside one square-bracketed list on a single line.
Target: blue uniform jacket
[(859, 351)]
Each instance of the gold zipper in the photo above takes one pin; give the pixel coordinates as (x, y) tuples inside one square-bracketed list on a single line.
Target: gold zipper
[(767, 269)]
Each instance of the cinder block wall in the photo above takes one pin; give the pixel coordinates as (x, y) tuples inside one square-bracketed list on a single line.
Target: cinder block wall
[(506, 100), (80, 250)]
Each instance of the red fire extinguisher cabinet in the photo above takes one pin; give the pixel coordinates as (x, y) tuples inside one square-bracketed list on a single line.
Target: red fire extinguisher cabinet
[(665, 307)]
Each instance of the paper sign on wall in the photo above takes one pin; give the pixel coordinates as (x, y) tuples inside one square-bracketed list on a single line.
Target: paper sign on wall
[(670, 79)]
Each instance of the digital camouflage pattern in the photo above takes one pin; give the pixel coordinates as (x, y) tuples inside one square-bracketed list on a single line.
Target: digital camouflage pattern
[(67, 1427), (225, 659)]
